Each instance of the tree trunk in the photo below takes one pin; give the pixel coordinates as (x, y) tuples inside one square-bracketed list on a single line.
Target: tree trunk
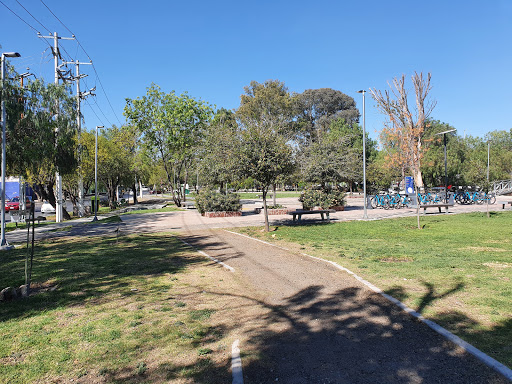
[(134, 190), (265, 210), (274, 195)]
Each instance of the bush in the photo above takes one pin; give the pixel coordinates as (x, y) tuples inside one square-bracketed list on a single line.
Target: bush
[(311, 198), (212, 201)]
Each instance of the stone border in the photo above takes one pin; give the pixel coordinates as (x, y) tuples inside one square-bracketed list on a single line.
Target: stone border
[(223, 214)]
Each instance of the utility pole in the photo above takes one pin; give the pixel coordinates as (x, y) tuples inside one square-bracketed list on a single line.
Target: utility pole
[(58, 75), (79, 97), (23, 205)]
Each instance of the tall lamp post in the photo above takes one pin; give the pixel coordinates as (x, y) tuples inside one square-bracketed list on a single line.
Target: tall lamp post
[(96, 175), (445, 164), (3, 242), (365, 214)]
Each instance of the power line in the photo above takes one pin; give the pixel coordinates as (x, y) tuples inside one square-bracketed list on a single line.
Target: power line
[(18, 16), (64, 25), (33, 16), (93, 66)]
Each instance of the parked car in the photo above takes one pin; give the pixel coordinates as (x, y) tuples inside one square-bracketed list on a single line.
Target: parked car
[(47, 208), (14, 204)]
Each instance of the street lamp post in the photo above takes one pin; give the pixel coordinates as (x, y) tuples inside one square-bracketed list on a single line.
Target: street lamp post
[(365, 214), (445, 164), (3, 242), (96, 176)]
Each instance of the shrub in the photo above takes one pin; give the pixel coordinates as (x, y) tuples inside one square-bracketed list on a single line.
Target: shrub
[(212, 201), (311, 198)]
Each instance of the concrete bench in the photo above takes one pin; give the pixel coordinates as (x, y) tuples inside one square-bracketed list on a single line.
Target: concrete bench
[(324, 213), (439, 206), (505, 203)]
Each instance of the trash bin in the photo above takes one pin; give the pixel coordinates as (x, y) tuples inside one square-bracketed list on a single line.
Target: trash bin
[(95, 204)]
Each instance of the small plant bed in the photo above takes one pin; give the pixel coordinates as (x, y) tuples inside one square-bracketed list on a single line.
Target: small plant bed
[(275, 210), (456, 271), (138, 310), (323, 199), (214, 204)]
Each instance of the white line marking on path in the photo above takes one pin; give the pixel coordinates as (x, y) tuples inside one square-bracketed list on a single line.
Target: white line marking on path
[(236, 364), (486, 359), (210, 257)]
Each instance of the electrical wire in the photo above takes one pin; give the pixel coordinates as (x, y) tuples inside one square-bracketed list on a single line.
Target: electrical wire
[(18, 16), (93, 66), (26, 10)]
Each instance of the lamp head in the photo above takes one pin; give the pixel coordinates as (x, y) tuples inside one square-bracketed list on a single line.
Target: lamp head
[(11, 54)]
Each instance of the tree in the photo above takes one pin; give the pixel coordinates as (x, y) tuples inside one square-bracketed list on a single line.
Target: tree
[(264, 156), (402, 135), (265, 116), (317, 108), (218, 153), (171, 127), (41, 138), (115, 157)]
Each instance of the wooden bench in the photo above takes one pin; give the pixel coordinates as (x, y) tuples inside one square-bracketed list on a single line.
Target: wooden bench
[(505, 203), (298, 213), (439, 206)]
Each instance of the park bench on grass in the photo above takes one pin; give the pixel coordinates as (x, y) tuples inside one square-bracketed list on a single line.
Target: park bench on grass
[(436, 205), (38, 219), (505, 203), (299, 212)]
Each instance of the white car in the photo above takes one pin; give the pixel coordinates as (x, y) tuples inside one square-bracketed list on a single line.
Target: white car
[(47, 208)]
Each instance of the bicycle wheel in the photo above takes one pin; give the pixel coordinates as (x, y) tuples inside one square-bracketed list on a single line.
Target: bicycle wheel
[(479, 198), (398, 201), (492, 198), (374, 201), (386, 202)]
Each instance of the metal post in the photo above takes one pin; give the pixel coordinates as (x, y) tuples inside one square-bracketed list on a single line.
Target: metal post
[(365, 210), (58, 177), (445, 163), (81, 211), (3, 242), (96, 176), (488, 159), (445, 172)]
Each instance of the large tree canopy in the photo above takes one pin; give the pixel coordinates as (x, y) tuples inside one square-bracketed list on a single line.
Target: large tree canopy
[(317, 108), (170, 126)]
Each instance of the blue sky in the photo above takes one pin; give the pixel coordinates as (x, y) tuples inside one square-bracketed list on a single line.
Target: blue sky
[(214, 49)]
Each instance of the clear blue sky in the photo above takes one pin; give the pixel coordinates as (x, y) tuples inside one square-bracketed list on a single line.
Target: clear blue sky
[(212, 49)]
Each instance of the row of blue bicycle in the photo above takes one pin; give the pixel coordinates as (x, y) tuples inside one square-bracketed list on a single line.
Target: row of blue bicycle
[(388, 200)]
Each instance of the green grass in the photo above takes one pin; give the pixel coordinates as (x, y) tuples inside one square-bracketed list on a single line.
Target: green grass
[(107, 309), (456, 271)]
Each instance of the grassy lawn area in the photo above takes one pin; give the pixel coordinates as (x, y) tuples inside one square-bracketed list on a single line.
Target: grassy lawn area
[(456, 271), (140, 309)]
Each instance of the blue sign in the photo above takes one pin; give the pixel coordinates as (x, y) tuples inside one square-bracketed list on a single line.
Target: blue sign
[(409, 184)]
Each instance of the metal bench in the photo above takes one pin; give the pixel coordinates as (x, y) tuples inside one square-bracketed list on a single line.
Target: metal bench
[(505, 203), (324, 213), (439, 206)]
